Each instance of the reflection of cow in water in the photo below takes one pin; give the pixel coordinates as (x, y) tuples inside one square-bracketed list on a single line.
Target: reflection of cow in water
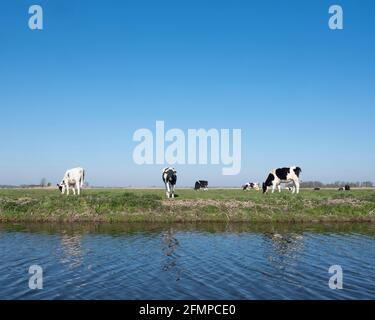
[(170, 244), (201, 184), (283, 248), (71, 246)]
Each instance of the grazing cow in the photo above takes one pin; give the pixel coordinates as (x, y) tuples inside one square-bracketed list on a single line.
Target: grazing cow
[(346, 188), (317, 189), (169, 178), (282, 175), (251, 185), (72, 178), (201, 184)]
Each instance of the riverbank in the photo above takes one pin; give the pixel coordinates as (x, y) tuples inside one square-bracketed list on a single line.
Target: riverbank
[(215, 205)]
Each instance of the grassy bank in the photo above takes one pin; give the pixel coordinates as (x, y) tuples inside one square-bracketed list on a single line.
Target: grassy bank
[(120, 205)]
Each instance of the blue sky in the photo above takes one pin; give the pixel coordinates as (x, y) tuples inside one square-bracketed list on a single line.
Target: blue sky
[(75, 92)]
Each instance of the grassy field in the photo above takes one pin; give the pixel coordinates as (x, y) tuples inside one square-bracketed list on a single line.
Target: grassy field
[(221, 205)]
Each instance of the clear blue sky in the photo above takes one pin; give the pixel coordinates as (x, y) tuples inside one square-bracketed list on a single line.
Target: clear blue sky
[(74, 93)]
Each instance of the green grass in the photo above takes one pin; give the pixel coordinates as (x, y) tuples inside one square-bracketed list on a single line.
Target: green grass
[(112, 205)]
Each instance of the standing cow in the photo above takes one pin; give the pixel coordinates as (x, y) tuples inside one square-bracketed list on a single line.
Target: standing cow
[(282, 175), (72, 178), (169, 178)]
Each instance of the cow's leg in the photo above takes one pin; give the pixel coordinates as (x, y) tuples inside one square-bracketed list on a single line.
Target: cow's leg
[(78, 188), (172, 187), (279, 188), (167, 189), (74, 190), (67, 189), (273, 187), (296, 183)]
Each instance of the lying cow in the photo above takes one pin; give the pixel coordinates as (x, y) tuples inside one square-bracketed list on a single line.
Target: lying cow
[(73, 178), (282, 175), (169, 178), (201, 184), (251, 185)]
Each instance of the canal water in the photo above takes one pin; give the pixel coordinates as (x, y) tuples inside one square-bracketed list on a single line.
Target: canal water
[(187, 261)]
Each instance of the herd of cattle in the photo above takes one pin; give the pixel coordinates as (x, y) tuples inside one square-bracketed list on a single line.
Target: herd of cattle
[(274, 180), (74, 179)]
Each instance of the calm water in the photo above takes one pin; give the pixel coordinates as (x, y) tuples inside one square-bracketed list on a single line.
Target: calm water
[(212, 261)]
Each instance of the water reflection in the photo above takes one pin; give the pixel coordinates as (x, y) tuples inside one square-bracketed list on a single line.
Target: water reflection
[(169, 246), (71, 247), (282, 250), (187, 261)]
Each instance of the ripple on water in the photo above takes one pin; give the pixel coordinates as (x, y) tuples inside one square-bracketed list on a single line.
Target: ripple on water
[(187, 264)]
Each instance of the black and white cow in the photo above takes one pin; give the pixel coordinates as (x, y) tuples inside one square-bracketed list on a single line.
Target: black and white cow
[(251, 185), (282, 175), (201, 184), (72, 178), (345, 188), (169, 177)]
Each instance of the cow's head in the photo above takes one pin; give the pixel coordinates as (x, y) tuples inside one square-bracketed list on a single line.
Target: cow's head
[(268, 182), (264, 187), (61, 187), (256, 186), (297, 171), (171, 175)]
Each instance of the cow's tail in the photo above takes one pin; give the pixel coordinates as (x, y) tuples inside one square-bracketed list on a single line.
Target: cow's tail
[(83, 178)]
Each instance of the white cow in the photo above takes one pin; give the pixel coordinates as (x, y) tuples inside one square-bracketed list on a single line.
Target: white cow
[(72, 178), (169, 177)]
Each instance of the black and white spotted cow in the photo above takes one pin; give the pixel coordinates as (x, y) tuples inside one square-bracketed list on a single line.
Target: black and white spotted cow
[(282, 175), (345, 188), (251, 185), (169, 177), (201, 184)]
